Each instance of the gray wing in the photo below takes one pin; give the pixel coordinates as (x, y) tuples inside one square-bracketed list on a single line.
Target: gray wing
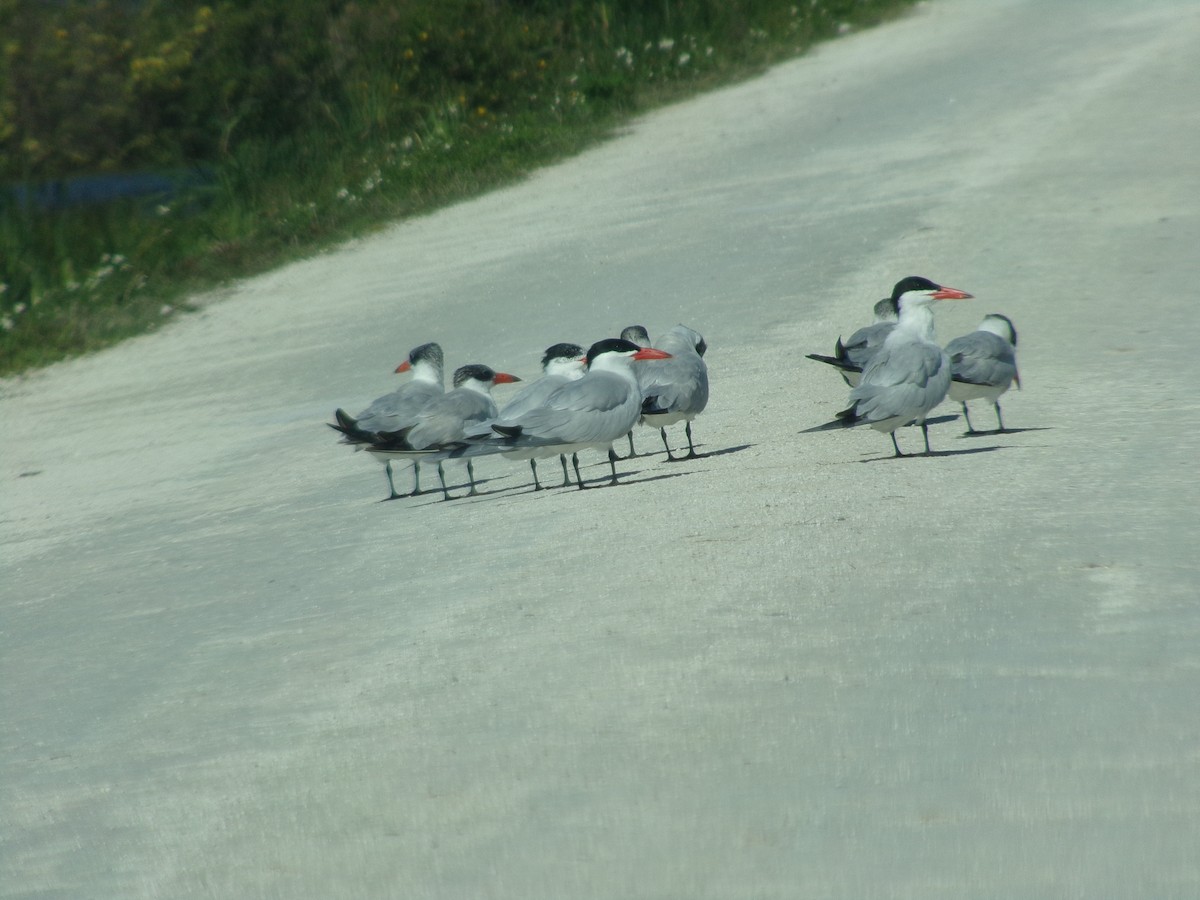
[(904, 381), (678, 384), (444, 419), (532, 396), (399, 409), (598, 407), (865, 342), (982, 358)]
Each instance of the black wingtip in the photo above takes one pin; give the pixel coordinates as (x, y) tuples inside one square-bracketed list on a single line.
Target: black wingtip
[(834, 361), (849, 415), (510, 431), (650, 407), (392, 440), (347, 426)]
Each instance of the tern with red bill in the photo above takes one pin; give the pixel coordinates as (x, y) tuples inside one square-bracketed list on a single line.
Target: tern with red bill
[(397, 409), (561, 364), (440, 426), (589, 413), (910, 374)]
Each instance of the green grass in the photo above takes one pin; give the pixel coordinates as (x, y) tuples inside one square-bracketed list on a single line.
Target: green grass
[(350, 115)]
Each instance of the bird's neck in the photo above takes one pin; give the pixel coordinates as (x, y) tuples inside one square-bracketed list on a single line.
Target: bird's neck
[(999, 329), (423, 371), (562, 369), (617, 367), (917, 321)]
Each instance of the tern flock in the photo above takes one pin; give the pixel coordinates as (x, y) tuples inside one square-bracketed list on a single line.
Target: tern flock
[(582, 401), (588, 400)]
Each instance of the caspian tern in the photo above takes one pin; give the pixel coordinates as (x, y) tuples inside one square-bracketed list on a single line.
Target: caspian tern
[(675, 389), (561, 363), (910, 374), (440, 426), (983, 364), (589, 413), (635, 334), (397, 409), (851, 357)]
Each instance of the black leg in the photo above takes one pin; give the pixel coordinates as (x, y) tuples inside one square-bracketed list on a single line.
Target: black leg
[(630, 436), (967, 416), (566, 475), (999, 421), (391, 484), (896, 445), (663, 432), (612, 461), (442, 478), (925, 434), (575, 462), (471, 476), (533, 469), (416, 491), (687, 429)]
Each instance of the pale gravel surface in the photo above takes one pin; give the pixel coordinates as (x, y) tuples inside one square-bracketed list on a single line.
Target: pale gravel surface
[(791, 669)]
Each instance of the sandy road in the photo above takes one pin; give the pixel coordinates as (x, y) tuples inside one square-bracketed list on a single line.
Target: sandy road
[(792, 669)]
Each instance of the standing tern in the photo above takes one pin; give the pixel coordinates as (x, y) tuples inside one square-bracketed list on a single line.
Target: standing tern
[(440, 426), (851, 357), (397, 409), (635, 334), (983, 364), (675, 389), (561, 364), (589, 413), (910, 374)]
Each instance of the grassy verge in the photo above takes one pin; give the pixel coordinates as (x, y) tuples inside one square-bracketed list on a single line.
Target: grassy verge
[(314, 122)]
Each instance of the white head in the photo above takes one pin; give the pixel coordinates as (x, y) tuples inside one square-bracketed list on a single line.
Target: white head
[(885, 310), (999, 325), (480, 378), (566, 360), (425, 362), (636, 334)]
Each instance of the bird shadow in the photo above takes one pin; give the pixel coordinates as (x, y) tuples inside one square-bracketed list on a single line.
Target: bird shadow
[(995, 431), (434, 496), (711, 453), (938, 453), (625, 478)]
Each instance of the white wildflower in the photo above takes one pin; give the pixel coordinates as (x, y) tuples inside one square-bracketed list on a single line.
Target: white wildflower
[(666, 43)]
